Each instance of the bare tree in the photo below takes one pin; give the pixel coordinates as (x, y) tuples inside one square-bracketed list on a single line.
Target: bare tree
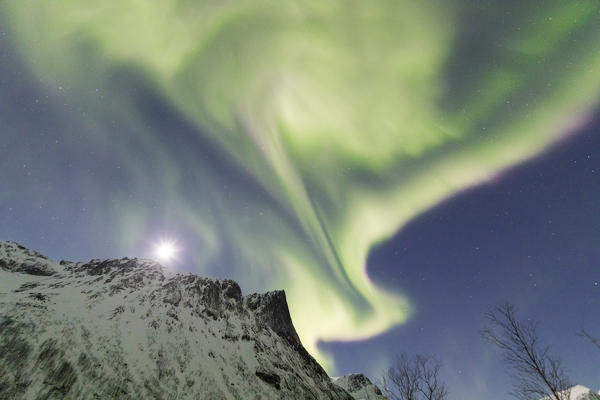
[(414, 378), (538, 375), (593, 339)]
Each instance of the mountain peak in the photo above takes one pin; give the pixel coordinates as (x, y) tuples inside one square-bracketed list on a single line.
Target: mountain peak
[(17, 258), (359, 386), (129, 328)]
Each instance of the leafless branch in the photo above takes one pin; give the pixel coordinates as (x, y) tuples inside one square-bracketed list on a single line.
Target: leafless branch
[(414, 378), (538, 375), (593, 339)]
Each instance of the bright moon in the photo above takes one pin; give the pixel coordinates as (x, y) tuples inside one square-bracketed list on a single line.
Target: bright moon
[(165, 251)]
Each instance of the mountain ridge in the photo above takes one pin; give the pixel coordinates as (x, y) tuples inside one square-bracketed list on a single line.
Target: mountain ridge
[(130, 328)]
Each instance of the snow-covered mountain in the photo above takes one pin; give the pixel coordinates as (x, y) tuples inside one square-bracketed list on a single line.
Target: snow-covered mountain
[(581, 392), (359, 386), (131, 329)]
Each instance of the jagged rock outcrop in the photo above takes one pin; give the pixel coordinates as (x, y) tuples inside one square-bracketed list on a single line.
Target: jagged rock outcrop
[(131, 329), (359, 386)]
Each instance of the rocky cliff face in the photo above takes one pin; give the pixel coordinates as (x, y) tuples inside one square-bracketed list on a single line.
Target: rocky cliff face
[(130, 329)]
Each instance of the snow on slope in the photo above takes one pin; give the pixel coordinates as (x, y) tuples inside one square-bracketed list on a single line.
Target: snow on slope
[(581, 392), (130, 329), (359, 386)]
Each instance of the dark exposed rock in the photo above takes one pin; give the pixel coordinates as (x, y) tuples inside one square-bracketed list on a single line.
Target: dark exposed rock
[(26, 286), (231, 290), (173, 294), (39, 296), (31, 269), (270, 378), (272, 310)]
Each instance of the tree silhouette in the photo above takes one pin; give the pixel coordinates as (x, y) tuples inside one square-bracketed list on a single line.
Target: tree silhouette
[(414, 378), (538, 375)]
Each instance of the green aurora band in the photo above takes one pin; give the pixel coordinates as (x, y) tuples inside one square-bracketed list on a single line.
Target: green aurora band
[(353, 116)]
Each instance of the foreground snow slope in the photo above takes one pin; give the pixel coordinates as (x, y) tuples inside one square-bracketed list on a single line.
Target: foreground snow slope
[(130, 329)]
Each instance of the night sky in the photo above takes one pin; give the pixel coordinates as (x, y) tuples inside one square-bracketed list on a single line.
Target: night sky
[(398, 168)]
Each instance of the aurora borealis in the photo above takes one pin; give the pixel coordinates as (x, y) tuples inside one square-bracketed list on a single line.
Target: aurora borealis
[(279, 142)]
